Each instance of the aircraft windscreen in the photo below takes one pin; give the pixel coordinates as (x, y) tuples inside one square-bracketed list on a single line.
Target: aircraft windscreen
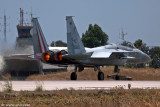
[(127, 44)]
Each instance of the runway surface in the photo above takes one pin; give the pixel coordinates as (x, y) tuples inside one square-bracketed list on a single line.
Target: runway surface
[(54, 85)]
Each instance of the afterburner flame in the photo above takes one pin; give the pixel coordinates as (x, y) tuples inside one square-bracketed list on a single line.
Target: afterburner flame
[(60, 56), (46, 57)]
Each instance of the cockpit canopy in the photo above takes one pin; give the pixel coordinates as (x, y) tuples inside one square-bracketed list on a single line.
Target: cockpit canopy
[(126, 43)]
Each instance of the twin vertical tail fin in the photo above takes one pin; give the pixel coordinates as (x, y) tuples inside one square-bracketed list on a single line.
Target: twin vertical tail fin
[(39, 41), (74, 43)]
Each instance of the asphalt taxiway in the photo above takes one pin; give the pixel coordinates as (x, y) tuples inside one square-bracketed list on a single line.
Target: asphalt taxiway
[(57, 85)]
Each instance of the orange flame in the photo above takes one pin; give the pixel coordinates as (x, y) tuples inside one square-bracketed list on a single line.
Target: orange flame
[(60, 56), (46, 57)]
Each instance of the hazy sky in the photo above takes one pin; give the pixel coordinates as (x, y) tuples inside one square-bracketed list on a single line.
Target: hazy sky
[(139, 18)]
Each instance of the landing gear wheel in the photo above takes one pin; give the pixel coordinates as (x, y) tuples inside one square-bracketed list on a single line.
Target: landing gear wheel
[(117, 77), (100, 76), (73, 76)]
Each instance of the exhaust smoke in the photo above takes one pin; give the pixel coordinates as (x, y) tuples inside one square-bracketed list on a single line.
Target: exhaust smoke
[(8, 50), (2, 63)]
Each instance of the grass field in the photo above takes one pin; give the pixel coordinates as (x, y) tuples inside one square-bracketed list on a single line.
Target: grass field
[(118, 97), (90, 74)]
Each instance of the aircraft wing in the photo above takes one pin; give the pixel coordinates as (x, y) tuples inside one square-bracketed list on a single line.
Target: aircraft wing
[(55, 49), (101, 54), (108, 53)]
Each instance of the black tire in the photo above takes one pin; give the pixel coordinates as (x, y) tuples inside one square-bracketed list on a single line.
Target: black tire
[(73, 76), (117, 77), (100, 76)]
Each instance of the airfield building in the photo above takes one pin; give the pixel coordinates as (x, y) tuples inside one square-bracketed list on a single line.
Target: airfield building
[(24, 36)]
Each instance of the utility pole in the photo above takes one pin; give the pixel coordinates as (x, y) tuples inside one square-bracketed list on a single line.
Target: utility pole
[(0, 31), (5, 27), (123, 34), (21, 17)]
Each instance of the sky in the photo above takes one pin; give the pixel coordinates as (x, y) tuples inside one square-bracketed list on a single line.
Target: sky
[(140, 19)]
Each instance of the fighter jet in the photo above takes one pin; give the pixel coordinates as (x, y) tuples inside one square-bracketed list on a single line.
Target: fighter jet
[(115, 54)]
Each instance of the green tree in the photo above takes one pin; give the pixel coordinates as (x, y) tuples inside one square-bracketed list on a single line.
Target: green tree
[(141, 45), (58, 43), (52, 44), (155, 55), (138, 43), (94, 37), (155, 51)]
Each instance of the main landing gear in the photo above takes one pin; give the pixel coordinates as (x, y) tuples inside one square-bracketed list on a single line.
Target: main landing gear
[(100, 74), (116, 70), (73, 75)]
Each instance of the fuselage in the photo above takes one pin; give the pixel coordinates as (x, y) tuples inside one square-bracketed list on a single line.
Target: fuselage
[(118, 54), (130, 55)]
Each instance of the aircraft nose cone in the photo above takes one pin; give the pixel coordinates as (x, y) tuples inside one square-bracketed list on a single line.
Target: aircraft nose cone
[(148, 59)]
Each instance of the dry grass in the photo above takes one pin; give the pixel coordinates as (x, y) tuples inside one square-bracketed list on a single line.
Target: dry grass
[(90, 74), (85, 98)]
